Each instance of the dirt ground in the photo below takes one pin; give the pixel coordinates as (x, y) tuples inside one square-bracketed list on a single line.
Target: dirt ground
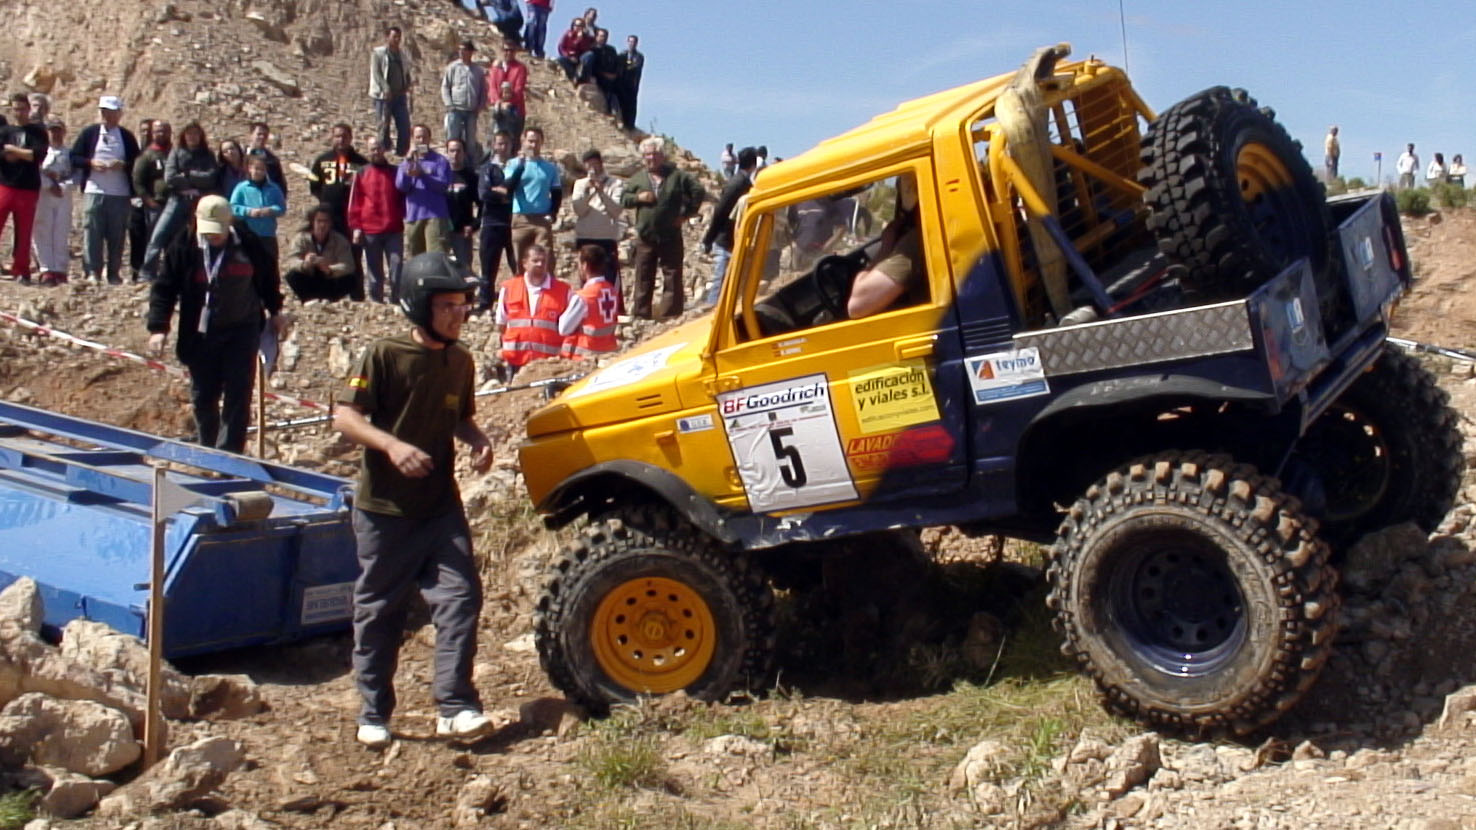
[(1379, 757)]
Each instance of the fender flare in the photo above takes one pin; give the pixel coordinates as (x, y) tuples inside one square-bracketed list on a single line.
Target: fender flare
[(571, 497), (1118, 391)]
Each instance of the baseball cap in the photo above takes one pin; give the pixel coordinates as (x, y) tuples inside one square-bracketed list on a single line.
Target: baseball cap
[(110, 102), (212, 215)]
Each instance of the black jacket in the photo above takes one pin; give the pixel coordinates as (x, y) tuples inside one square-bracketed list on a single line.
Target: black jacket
[(720, 229), (86, 143), (180, 281), (463, 203), (335, 183), (496, 207)]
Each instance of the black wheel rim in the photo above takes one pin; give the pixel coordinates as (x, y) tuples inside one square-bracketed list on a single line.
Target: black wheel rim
[(1175, 603), (1349, 453)]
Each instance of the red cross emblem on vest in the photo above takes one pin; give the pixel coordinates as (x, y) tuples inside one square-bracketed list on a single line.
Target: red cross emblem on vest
[(607, 303)]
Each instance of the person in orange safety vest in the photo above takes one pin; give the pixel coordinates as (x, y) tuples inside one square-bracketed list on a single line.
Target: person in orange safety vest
[(536, 312), (596, 334)]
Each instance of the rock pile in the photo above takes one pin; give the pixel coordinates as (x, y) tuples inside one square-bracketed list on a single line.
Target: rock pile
[(73, 714)]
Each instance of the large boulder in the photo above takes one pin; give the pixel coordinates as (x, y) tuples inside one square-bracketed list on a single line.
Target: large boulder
[(185, 777), (21, 609), (124, 660), (225, 696), (64, 794), (29, 665), (81, 736)]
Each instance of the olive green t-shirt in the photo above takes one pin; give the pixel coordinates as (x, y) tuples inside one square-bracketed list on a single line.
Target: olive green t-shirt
[(418, 395)]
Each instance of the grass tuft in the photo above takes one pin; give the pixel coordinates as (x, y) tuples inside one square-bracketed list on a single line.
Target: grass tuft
[(17, 808)]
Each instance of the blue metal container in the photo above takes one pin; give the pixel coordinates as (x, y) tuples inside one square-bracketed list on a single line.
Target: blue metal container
[(75, 501)]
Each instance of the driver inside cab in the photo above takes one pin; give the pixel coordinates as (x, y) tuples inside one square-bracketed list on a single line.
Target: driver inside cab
[(896, 270)]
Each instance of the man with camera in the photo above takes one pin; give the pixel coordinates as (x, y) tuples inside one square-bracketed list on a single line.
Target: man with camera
[(424, 177)]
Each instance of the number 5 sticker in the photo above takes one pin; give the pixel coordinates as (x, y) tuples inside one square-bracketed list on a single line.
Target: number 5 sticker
[(794, 472), (785, 442)]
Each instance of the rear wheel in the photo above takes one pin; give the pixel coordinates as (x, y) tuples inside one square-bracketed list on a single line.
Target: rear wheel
[(1194, 593), (1387, 451), (645, 604), (1230, 196)]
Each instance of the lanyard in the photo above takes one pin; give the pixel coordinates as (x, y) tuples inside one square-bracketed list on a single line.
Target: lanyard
[(212, 268)]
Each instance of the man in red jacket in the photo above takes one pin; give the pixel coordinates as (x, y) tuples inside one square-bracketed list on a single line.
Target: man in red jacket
[(376, 215), (508, 69)]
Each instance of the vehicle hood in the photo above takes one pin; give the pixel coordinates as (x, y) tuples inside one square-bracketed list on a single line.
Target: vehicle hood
[(641, 383)]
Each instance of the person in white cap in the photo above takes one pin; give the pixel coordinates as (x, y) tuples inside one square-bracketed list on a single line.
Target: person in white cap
[(103, 155), (226, 286)]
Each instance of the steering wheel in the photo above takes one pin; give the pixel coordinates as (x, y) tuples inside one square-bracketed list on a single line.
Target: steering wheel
[(831, 278)]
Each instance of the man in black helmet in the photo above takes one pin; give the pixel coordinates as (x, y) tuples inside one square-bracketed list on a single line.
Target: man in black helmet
[(405, 403)]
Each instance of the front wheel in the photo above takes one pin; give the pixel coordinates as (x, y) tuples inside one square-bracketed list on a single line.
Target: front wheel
[(645, 604), (1194, 592)]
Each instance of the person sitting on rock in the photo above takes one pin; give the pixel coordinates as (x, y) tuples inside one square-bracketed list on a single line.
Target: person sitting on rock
[(322, 264), (572, 46)]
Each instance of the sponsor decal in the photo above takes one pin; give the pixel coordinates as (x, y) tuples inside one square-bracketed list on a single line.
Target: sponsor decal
[(628, 371), (912, 448), (1004, 376), (327, 603), (786, 445), (695, 423), (774, 397), (892, 396)]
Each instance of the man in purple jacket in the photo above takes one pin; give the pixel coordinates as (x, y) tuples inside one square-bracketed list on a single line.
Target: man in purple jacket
[(423, 177)]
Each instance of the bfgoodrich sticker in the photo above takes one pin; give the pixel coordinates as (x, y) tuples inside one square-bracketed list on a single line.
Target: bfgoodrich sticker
[(1004, 376)]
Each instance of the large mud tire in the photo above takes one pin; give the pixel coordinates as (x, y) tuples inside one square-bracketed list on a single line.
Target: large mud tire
[(643, 604), (1230, 196), (1387, 451), (1194, 592)]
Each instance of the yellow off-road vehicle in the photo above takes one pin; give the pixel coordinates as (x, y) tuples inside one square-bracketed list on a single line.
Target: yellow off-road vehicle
[(1147, 338)]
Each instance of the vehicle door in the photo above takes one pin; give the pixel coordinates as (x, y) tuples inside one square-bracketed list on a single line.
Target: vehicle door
[(821, 410)]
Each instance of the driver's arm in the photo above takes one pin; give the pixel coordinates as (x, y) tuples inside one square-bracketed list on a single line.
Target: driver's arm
[(876, 288), (872, 291)]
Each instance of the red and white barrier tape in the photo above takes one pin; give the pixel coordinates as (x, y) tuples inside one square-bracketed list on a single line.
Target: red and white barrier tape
[(157, 365)]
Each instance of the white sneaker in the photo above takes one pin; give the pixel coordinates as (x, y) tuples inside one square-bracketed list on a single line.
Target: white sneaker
[(374, 735), (468, 723)]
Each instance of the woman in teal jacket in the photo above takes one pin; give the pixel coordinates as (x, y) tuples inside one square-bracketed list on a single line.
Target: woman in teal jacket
[(259, 201)]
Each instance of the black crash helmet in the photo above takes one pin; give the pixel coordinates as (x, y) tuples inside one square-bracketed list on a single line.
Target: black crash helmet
[(425, 276)]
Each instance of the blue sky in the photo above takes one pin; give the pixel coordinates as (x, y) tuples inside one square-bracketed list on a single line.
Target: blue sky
[(793, 72)]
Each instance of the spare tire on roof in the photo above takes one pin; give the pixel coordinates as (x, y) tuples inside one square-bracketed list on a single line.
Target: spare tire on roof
[(1230, 196)]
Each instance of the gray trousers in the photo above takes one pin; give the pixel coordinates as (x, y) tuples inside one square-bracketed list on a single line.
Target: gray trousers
[(382, 255), (397, 555), (105, 224)]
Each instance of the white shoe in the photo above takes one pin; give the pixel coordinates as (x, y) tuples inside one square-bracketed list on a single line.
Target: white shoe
[(374, 735), (468, 723)]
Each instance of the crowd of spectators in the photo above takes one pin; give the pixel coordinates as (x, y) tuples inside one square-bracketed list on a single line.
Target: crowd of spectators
[(483, 199)]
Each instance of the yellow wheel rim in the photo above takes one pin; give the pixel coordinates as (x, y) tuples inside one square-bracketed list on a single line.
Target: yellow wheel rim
[(1260, 171), (653, 635)]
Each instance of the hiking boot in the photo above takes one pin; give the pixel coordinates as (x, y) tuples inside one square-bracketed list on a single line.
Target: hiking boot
[(374, 735), (468, 723)]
